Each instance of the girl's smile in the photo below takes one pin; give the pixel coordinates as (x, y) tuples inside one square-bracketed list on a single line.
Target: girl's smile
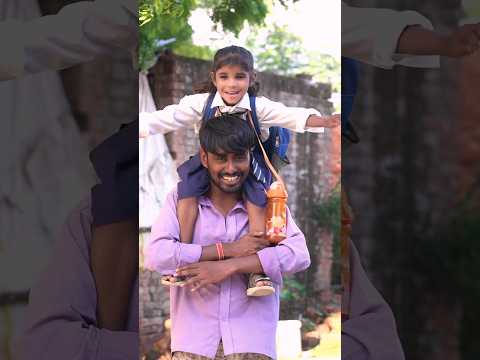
[(232, 83)]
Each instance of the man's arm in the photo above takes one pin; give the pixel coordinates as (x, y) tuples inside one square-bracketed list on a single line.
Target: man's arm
[(77, 34), (61, 315), (213, 272), (288, 257)]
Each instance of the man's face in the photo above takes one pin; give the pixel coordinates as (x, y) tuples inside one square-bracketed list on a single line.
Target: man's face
[(228, 171)]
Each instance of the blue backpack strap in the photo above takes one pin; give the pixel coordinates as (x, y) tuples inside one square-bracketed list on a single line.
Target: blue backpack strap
[(253, 108), (349, 90), (208, 111), (278, 138)]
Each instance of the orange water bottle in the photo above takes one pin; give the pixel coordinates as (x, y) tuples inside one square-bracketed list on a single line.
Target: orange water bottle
[(276, 213)]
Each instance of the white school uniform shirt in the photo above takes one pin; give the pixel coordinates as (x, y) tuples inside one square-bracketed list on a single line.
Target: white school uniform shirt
[(371, 35), (78, 33), (188, 112)]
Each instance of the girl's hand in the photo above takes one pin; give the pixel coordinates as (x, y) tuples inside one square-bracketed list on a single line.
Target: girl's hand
[(324, 121), (464, 41)]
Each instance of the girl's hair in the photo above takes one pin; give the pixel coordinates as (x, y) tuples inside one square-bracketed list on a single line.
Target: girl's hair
[(231, 55), (227, 132)]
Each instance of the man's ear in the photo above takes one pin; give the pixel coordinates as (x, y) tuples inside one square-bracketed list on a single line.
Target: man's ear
[(203, 157)]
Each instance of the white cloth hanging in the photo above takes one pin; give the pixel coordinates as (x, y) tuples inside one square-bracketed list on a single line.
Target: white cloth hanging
[(157, 170)]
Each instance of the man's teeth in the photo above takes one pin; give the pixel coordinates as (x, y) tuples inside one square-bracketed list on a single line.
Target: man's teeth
[(230, 178)]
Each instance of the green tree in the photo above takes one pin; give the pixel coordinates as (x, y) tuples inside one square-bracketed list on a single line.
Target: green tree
[(280, 52), (283, 53), (165, 19)]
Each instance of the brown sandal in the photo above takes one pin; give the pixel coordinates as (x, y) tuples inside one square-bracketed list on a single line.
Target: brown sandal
[(171, 280), (255, 290)]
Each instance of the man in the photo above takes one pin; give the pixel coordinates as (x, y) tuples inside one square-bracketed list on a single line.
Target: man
[(212, 315)]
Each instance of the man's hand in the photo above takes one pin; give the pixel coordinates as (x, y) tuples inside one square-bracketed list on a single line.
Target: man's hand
[(464, 41), (206, 273), (247, 245), (324, 121)]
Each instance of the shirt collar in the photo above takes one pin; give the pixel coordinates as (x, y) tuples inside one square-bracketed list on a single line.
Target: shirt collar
[(205, 201), (243, 105)]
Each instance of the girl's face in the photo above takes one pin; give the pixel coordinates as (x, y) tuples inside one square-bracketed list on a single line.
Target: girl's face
[(232, 83)]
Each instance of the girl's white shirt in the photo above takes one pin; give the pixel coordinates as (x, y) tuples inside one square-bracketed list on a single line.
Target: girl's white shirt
[(188, 112)]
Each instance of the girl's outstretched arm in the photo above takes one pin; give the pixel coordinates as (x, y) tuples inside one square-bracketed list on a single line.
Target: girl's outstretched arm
[(328, 121)]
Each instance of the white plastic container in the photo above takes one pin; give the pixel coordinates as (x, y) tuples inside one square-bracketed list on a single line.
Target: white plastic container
[(289, 339)]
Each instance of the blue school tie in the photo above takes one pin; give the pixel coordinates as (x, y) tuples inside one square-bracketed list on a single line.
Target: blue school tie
[(257, 170)]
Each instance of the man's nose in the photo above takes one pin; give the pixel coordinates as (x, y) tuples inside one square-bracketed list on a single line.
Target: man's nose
[(230, 168)]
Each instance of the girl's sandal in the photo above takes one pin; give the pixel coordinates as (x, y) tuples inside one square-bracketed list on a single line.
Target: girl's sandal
[(171, 280), (259, 290)]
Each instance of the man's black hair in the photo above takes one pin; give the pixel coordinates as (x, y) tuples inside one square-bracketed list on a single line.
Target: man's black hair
[(227, 133)]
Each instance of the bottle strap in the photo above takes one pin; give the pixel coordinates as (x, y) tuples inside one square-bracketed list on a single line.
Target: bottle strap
[(267, 160)]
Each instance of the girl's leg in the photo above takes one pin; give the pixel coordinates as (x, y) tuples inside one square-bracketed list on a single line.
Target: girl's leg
[(187, 213), (258, 284), (256, 217)]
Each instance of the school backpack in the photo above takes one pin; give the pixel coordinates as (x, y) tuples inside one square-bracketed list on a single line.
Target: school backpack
[(276, 145)]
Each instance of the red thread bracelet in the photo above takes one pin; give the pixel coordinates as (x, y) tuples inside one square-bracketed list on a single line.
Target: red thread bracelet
[(220, 252)]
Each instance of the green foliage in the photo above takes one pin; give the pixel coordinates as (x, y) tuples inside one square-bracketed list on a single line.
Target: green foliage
[(165, 19), (327, 214), (292, 290), (280, 52), (324, 68), (232, 14), (162, 20), (283, 53)]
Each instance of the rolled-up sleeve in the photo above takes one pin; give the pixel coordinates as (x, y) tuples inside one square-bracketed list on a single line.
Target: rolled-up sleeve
[(271, 113), (288, 257), (371, 35), (164, 252)]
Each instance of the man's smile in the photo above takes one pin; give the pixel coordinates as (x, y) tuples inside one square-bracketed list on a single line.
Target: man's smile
[(230, 179)]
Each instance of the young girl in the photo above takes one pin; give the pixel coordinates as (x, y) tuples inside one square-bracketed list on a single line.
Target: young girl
[(232, 81)]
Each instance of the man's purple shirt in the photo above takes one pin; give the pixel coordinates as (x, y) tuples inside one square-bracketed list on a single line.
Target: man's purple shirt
[(222, 311)]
